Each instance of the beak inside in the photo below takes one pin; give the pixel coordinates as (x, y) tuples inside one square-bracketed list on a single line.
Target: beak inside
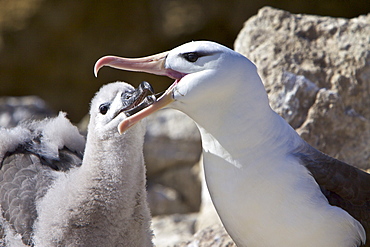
[(137, 100), (164, 100)]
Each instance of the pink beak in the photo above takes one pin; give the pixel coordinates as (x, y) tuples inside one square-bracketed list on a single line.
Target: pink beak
[(154, 64)]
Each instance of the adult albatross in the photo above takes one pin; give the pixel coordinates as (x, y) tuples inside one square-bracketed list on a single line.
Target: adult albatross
[(269, 187), (55, 192)]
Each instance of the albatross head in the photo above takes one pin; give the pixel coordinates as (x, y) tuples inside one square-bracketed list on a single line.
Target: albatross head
[(114, 103), (204, 72)]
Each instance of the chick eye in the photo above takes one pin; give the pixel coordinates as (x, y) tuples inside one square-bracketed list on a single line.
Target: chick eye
[(103, 108), (191, 56)]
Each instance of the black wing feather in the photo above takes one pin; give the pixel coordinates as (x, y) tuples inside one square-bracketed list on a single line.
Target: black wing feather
[(343, 185)]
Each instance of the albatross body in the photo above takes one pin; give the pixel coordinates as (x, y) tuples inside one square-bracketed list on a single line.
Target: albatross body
[(269, 187)]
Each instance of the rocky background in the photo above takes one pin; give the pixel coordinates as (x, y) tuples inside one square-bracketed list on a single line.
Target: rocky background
[(316, 71)]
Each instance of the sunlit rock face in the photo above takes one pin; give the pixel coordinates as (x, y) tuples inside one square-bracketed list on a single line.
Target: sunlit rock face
[(316, 71)]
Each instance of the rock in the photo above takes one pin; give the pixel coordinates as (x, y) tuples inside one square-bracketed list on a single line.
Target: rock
[(165, 200), (184, 180), (172, 150), (214, 236), (17, 109), (294, 98), (316, 71), (172, 229), (207, 215), (171, 138)]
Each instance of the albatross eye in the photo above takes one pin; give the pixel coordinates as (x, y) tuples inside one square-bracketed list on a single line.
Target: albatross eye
[(103, 108), (191, 56)]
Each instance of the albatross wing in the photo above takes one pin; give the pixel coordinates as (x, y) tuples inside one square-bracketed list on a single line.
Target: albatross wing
[(343, 185)]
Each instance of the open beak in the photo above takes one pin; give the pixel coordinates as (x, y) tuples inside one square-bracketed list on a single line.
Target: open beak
[(154, 64), (164, 100), (133, 102)]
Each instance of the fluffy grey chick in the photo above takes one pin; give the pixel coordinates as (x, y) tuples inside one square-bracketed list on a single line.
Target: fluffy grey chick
[(54, 195)]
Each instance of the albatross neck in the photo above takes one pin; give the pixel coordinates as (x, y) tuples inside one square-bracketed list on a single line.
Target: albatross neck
[(233, 113), (239, 136)]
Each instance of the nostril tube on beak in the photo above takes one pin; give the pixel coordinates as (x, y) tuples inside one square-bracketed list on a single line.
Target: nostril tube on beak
[(145, 86)]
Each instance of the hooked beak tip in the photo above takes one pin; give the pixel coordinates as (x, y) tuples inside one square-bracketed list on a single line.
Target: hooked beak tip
[(98, 65), (153, 64)]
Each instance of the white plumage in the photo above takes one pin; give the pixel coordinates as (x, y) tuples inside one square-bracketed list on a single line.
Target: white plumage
[(269, 186)]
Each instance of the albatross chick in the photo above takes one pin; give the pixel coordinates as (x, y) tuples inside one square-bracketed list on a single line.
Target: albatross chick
[(56, 192)]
